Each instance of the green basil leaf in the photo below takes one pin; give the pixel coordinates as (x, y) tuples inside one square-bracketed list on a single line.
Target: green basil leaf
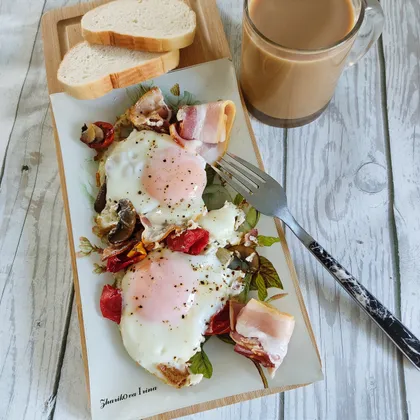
[(98, 269), (87, 192), (200, 363), (238, 199), (142, 89), (262, 289), (243, 296), (136, 92), (253, 284), (252, 217), (176, 100), (211, 173), (251, 220), (269, 274), (188, 99), (86, 247), (175, 90), (267, 240), (215, 196), (226, 339)]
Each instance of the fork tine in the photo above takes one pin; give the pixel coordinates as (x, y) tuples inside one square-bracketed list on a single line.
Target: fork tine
[(247, 174), (233, 183), (251, 167), (238, 176)]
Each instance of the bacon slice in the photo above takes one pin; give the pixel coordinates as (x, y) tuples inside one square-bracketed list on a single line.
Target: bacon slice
[(151, 112), (234, 308), (205, 129), (219, 322), (251, 348), (263, 333), (114, 250)]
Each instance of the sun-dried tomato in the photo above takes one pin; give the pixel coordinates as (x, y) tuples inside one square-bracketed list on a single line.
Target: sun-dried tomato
[(108, 130), (121, 261), (111, 303), (191, 241), (220, 322)]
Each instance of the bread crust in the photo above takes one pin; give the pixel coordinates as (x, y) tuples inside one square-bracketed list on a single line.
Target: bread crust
[(138, 43), (131, 76)]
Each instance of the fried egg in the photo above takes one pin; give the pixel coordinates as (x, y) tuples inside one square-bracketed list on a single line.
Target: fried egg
[(168, 300), (163, 181), (222, 224)]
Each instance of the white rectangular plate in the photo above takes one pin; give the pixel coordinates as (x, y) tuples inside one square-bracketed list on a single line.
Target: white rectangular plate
[(118, 387)]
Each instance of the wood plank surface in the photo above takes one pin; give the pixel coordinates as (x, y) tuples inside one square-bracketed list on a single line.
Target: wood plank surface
[(72, 397), (21, 31), (338, 187), (374, 231), (35, 276), (401, 43)]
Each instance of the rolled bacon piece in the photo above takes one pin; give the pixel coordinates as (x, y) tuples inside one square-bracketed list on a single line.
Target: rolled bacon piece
[(262, 333), (205, 129)]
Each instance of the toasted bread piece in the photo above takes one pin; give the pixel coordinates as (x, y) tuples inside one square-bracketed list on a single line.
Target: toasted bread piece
[(146, 25), (90, 71), (178, 378)]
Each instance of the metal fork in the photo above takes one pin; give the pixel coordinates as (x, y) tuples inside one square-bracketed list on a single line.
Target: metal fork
[(265, 194)]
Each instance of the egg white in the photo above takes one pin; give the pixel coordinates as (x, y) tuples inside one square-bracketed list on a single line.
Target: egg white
[(222, 225), (124, 168), (154, 343)]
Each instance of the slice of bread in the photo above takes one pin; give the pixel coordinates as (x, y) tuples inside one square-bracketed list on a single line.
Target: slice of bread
[(90, 71), (146, 25)]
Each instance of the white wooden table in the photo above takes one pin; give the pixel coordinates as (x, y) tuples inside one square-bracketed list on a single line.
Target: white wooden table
[(353, 180)]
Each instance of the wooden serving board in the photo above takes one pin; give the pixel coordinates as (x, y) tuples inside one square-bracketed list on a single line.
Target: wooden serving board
[(60, 31)]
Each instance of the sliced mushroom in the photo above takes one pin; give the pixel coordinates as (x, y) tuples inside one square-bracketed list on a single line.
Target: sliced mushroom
[(224, 256), (245, 258), (88, 134), (91, 133), (127, 217), (99, 133), (106, 220), (100, 201)]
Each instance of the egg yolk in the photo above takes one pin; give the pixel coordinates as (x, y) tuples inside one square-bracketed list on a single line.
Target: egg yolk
[(162, 289), (173, 175)]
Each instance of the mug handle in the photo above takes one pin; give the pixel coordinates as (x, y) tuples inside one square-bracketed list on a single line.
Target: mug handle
[(369, 32)]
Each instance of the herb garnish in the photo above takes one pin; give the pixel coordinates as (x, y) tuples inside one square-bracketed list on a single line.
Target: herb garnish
[(86, 247), (200, 363)]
